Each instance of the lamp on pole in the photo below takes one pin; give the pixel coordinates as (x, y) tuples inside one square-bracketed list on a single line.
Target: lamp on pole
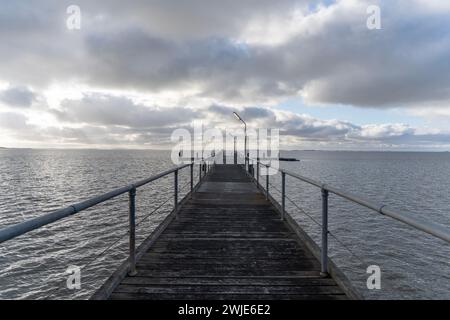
[(245, 136)]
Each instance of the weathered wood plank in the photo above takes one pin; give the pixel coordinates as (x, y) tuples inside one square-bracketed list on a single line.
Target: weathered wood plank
[(220, 289), (203, 255), (305, 281), (182, 296), (216, 268), (299, 275), (220, 273)]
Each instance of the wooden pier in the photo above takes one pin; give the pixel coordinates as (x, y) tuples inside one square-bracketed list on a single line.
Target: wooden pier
[(225, 242)]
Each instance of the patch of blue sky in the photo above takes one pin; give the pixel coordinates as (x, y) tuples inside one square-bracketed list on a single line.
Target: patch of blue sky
[(355, 115), (314, 6)]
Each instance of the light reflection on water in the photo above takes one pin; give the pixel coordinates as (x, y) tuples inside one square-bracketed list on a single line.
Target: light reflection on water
[(32, 182)]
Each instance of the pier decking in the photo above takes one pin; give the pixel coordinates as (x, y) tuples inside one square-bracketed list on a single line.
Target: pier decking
[(227, 242)]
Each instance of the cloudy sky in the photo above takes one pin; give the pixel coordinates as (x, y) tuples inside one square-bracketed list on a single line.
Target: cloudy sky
[(136, 70)]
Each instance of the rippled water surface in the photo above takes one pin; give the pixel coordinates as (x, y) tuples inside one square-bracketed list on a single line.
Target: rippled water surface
[(33, 182)]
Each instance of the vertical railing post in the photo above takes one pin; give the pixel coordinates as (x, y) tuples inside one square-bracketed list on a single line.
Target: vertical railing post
[(175, 197), (245, 150), (235, 152), (283, 194), (324, 258), (132, 241), (267, 183), (257, 172), (192, 177), (257, 158)]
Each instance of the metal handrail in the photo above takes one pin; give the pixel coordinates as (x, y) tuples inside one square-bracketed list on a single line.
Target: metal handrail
[(13, 231), (431, 228), (16, 230)]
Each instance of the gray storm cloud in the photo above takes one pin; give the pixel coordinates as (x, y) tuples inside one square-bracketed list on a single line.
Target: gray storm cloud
[(121, 111), (21, 97), (155, 45)]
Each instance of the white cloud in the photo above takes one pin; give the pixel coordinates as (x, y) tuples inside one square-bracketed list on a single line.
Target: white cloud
[(100, 120), (430, 6)]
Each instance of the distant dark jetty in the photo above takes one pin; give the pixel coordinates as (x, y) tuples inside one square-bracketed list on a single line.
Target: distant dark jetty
[(288, 159)]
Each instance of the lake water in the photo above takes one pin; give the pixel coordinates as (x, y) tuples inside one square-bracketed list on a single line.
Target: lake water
[(33, 182)]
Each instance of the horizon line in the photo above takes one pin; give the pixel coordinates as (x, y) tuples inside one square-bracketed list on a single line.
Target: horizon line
[(162, 149)]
